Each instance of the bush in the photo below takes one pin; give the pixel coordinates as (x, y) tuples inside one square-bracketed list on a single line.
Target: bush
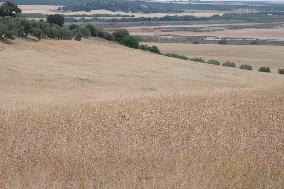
[(118, 34), (223, 42), (73, 27), (229, 64), (9, 28), (201, 60), (105, 35), (153, 49), (246, 67), (264, 69), (9, 9), (174, 55), (255, 42), (214, 62), (129, 41), (56, 19), (281, 71), (92, 29)]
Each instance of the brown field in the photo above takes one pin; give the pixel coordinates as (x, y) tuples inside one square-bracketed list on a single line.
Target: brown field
[(275, 32), (42, 9), (48, 9), (257, 56), (94, 114)]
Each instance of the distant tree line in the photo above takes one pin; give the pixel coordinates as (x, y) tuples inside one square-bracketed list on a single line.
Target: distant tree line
[(157, 7), (228, 16), (55, 2), (11, 26), (275, 16), (133, 6), (142, 6)]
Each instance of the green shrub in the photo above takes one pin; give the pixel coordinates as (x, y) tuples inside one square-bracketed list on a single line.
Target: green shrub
[(223, 42), (174, 55), (118, 34), (229, 64), (255, 42), (246, 67), (214, 62), (92, 29), (264, 69), (9, 9), (153, 49), (281, 71), (73, 27), (129, 41), (55, 19), (201, 60)]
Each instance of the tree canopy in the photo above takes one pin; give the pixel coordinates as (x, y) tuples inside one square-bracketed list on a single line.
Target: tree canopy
[(56, 19), (9, 9)]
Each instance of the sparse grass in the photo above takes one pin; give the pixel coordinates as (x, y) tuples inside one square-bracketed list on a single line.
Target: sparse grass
[(174, 55), (229, 64), (207, 142), (281, 71), (214, 62), (264, 69), (246, 67), (201, 60)]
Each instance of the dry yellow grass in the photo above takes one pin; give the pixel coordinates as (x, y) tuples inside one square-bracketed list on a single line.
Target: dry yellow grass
[(276, 33), (72, 116), (42, 9), (49, 9), (50, 71), (256, 55), (226, 140)]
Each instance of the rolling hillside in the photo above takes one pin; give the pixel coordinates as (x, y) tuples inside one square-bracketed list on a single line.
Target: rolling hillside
[(94, 114), (97, 70)]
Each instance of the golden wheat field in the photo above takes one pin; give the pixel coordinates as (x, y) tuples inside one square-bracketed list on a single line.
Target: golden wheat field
[(94, 114)]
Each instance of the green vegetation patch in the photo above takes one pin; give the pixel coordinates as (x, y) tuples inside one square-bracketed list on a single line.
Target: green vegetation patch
[(264, 69), (201, 60), (229, 64), (246, 67), (174, 55), (214, 62), (153, 49), (281, 71)]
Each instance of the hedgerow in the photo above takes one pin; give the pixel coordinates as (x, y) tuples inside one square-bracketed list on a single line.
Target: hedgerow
[(214, 62), (174, 55), (201, 60), (229, 64), (264, 69)]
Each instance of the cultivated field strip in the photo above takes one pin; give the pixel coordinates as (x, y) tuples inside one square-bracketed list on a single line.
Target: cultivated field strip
[(225, 140)]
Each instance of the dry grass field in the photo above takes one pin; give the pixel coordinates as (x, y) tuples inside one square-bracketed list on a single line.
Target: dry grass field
[(94, 114), (256, 55), (49, 9), (218, 30), (42, 9)]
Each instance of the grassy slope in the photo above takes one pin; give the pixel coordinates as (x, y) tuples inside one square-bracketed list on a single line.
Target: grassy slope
[(93, 69), (224, 132), (256, 55)]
